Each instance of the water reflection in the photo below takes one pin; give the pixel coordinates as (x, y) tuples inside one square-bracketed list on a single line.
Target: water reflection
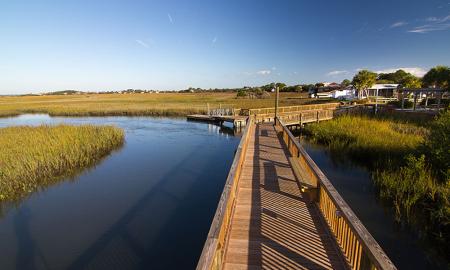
[(147, 206)]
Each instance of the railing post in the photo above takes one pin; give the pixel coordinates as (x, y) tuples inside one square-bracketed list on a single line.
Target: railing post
[(276, 101)]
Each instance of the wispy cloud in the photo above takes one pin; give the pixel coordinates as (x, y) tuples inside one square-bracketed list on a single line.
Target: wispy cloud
[(416, 71), (142, 43), (337, 73), (170, 18), (433, 24), (214, 40), (264, 72), (398, 24)]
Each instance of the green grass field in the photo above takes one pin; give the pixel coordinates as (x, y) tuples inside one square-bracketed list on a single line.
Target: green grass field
[(32, 158), (162, 104)]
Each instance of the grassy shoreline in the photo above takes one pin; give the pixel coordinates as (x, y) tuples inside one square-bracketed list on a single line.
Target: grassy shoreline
[(409, 165), (35, 157), (362, 137)]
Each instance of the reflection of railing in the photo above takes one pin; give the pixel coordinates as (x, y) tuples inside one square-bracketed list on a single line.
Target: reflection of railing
[(357, 244), (213, 250)]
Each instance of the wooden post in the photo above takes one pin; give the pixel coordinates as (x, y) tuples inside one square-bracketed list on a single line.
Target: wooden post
[(376, 102), (403, 100), (301, 119), (207, 105), (317, 116), (439, 96), (415, 100), (276, 101)]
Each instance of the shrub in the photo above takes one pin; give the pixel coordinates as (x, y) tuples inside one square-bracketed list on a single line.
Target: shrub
[(398, 104), (438, 146)]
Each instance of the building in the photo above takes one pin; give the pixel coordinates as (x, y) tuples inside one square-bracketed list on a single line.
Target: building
[(382, 90)]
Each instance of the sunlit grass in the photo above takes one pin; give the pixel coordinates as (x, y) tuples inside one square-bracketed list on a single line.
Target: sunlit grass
[(409, 165), (162, 104), (368, 138), (34, 157)]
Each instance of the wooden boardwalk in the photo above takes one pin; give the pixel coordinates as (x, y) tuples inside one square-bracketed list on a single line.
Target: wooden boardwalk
[(273, 225)]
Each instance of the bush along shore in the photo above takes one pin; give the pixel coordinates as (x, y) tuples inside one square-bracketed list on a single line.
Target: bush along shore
[(32, 158), (410, 165)]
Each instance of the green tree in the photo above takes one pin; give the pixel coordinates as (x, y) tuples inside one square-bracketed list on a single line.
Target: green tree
[(241, 93), (394, 77), (280, 85), (411, 81), (346, 82), (268, 87), (383, 81), (438, 76), (364, 80), (298, 88)]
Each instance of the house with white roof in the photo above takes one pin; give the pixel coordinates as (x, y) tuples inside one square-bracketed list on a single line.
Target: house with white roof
[(387, 90)]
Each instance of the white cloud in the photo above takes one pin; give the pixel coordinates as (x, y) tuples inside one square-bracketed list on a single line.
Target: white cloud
[(274, 68), (398, 24), (434, 24), (170, 18), (416, 71), (142, 43), (264, 72), (337, 73), (431, 19)]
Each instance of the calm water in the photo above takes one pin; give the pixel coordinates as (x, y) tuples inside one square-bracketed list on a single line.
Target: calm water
[(148, 205), (355, 185)]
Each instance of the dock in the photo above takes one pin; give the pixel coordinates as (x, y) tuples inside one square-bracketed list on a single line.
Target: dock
[(279, 211), (237, 120)]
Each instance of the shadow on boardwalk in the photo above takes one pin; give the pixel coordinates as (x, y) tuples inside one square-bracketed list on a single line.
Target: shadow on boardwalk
[(274, 226)]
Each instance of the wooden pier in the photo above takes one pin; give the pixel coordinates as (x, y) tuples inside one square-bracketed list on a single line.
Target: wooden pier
[(279, 211), (237, 120)]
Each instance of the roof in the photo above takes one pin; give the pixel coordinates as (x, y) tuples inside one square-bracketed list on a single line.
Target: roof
[(384, 86)]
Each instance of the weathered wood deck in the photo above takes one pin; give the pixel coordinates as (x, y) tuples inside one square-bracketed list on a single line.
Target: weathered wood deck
[(278, 210), (274, 225)]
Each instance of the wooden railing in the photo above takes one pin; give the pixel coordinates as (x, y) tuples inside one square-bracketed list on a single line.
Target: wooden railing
[(214, 248), (307, 116), (291, 109), (357, 244)]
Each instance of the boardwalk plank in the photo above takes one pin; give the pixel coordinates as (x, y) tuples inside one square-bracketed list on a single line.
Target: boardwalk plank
[(273, 225)]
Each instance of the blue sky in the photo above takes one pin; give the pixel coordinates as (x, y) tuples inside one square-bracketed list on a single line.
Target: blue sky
[(113, 45)]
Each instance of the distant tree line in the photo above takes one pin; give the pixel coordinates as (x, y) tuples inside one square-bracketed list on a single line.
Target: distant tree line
[(438, 77)]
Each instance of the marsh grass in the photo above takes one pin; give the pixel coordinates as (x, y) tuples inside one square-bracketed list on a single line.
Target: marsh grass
[(162, 104), (409, 164), (368, 139), (32, 158)]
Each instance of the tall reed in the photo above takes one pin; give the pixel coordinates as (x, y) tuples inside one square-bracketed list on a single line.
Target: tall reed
[(34, 157), (410, 165)]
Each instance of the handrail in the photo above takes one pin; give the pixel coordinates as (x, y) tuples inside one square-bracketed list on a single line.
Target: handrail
[(213, 250), (357, 244), (292, 109)]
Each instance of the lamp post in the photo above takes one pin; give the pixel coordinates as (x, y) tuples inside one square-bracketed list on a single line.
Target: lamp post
[(276, 102)]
